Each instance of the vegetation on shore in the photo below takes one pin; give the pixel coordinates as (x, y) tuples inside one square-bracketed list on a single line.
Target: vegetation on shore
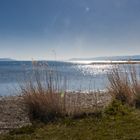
[(116, 122), (53, 119), (124, 85), (48, 100)]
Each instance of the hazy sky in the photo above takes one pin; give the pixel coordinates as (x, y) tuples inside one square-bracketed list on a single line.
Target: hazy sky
[(45, 29)]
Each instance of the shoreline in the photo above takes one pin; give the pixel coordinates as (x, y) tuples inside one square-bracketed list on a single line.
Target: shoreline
[(115, 63), (14, 113)]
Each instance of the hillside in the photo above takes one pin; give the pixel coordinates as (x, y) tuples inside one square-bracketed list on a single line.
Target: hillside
[(6, 59), (111, 58)]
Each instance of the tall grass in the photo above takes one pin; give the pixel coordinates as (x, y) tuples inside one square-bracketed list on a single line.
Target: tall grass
[(43, 94), (47, 99), (124, 84)]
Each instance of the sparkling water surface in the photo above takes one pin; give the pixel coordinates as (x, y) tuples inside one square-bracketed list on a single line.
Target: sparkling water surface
[(80, 75)]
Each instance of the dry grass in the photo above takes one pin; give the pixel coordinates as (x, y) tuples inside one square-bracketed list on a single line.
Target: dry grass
[(44, 106), (124, 84), (46, 97), (48, 105), (43, 95)]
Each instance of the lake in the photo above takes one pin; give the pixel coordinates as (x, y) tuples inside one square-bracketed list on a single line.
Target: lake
[(82, 75)]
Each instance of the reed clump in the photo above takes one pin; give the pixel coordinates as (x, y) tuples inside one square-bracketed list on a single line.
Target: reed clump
[(41, 92), (124, 84), (47, 100), (44, 106)]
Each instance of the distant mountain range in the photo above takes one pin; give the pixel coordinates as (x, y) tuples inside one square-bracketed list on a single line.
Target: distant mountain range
[(110, 58), (6, 59), (103, 58)]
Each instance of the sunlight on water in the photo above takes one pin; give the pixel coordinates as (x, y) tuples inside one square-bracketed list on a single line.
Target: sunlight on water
[(81, 75), (89, 62), (93, 69)]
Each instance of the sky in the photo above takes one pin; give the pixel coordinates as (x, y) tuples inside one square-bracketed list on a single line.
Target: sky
[(64, 29)]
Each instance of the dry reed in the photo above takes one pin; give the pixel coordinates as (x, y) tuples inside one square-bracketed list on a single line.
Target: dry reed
[(46, 97), (124, 84), (43, 94)]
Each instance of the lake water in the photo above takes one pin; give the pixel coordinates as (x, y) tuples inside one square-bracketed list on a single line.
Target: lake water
[(79, 75)]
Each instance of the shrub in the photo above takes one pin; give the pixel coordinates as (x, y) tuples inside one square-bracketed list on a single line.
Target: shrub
[(117, 108), (43, 95), (124, 84), (47, 100), (44, 106)]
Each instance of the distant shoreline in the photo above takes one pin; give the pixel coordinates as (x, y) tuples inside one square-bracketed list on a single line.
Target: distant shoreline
[(115, 62)]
